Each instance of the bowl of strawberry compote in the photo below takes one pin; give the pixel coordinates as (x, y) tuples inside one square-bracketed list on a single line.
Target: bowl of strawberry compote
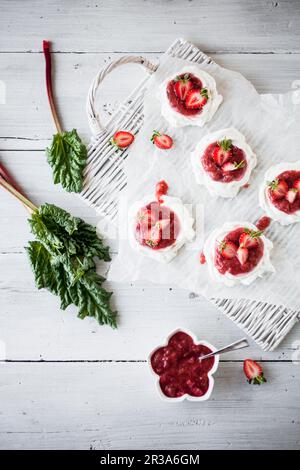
[(280, 193), (223, 162), (179, 372), (238, 253), (189, 97), (159, 225)]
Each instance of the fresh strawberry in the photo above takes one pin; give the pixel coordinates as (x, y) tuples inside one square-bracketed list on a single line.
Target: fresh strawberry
[(279, 188), (122, 139), (249, 238), (162, 141), (196, 98), (145, 217), (232, 166), (154, 236), (228, 249), (242, 255), (163, 223), (297, 185), (291, 195), (182, 86), (222, 152), (253, 372)]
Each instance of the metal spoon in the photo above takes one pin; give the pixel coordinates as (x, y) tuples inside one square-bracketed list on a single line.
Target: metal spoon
[(240, 344)]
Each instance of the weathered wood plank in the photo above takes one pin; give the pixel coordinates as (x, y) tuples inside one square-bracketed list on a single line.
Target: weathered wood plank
[(34, 328), (132, 25), (25, 119), (115, 406)]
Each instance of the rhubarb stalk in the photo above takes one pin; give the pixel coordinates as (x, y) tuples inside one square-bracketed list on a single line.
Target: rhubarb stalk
[(47, 54), (12, 190), (67, 154)]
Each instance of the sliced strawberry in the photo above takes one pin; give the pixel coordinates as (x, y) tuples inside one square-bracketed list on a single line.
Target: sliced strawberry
[(242, 255), (122, 139), (249, 238), (154, 236), (232, 166), (253, 372), (297, 185), (291, 195), (145, 217), (222, 152), (228, 249), (279, 188), (162, 141), (163, 223), (182, 86), (196, 98)]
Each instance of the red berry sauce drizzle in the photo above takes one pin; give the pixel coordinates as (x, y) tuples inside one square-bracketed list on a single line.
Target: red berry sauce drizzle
[(217, 170), (179, 368), (231, 263), (279, 189), (157, 225), (179, 104)]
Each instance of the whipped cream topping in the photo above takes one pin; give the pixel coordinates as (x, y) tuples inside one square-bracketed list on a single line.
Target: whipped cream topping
[(264, 201), (217, 188), (174, 117), (217, 236), (186, 231)]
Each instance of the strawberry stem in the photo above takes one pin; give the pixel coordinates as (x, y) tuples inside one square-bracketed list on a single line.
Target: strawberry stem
[(47, 54)]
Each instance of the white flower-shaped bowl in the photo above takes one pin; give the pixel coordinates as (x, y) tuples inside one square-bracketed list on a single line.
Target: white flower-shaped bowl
[(209, 374)]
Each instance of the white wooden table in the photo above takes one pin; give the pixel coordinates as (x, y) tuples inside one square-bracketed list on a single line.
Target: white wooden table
[(70, 384)]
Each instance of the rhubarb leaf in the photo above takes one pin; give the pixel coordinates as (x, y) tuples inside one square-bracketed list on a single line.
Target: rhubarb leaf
[(67, 158), (60, 232), (62, 260), (47, 275)]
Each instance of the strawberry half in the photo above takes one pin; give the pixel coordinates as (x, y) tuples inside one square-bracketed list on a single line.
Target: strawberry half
[(228, 249), (291, 195), (253, 372), (232, 166), (249, 238), (297, 185), (122, 139), (182, 86), (162, 141), (222, 152), (154, 236), (145, 217), (279, 188), (242, 255), (196, 99)]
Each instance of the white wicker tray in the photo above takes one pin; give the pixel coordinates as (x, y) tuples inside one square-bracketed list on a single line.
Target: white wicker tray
[(104, 180)]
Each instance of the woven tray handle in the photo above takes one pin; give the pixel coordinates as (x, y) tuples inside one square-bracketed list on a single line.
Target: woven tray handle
[(92, 115)]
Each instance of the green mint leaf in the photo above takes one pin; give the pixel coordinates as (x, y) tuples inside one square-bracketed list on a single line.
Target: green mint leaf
[(67, 158)]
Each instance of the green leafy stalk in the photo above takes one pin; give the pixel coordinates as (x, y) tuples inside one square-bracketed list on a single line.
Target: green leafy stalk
[(67, 154), (62, 259)]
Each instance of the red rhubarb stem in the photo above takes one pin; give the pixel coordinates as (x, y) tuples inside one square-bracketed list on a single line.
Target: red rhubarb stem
[(9, 179), (13, 191), (47, 54)]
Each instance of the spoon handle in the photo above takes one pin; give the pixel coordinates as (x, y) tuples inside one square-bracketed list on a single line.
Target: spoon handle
[(240, 344)]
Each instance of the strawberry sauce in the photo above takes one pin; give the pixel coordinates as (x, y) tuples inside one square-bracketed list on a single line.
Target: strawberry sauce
[(281, 203), (233, 265), (161, 189), (263, 223), (179, 104), (157, 226), (180, 370), (216, 172)]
